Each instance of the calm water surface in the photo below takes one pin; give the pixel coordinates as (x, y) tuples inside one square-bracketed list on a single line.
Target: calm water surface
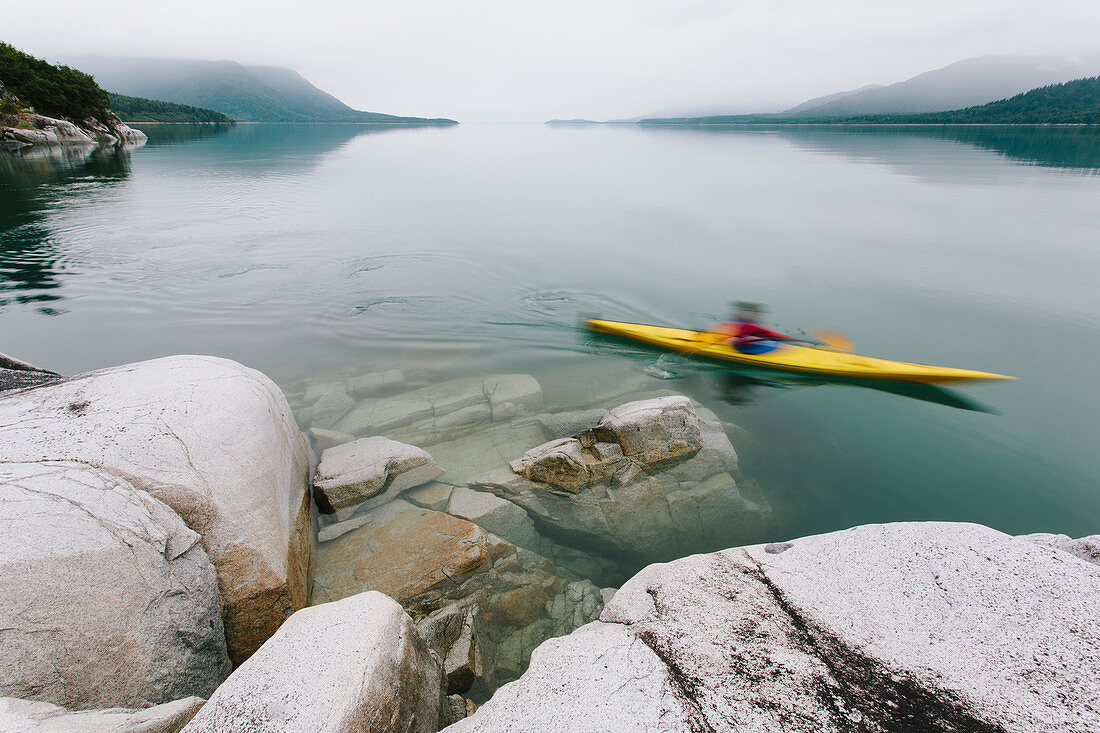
[(300, 250)]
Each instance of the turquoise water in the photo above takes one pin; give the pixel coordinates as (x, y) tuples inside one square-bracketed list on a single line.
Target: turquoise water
[(306, 249)]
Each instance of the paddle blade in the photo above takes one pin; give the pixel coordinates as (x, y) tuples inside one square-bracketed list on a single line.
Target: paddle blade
[(834, 340)]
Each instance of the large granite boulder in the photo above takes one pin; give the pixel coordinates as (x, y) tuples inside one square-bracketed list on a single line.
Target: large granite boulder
[(482, 603), (913, 626), (650, 481), (26, 716), (368, 472), (353, 665), (106, 598), (210, 438)]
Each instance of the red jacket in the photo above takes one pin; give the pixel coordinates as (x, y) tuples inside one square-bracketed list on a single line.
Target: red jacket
[(745, 331)]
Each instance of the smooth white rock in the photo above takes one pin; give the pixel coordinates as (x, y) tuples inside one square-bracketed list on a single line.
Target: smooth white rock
[(357, 664), (213, 440)]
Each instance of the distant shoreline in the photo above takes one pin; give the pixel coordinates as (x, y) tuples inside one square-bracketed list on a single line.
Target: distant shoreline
[(239, 122), (821, 124)]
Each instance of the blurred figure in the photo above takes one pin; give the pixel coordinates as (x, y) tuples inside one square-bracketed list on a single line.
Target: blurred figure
[(747, 335)]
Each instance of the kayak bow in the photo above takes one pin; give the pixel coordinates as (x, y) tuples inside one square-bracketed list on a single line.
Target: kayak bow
[(788, 357)]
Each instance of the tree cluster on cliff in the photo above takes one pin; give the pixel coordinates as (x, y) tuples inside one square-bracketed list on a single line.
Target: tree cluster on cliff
[(138, 109), (56, 91)]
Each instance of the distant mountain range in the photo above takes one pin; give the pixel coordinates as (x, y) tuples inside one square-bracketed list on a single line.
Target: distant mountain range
[(245, 93), (1073, 102), (963, 84)]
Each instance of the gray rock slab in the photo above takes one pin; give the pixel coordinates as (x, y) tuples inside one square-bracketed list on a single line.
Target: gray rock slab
[(908, 626), (433, 495), (499, 516), (325, 439), (213, 440), (357, 664), (468, 457), (426, 406), (374, 383), (1086, 548), (329, 532), (107, 599), (26, 716), (368, 472), (330, 408)]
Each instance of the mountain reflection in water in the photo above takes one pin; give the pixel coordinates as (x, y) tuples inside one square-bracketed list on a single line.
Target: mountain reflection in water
[(913, 148)]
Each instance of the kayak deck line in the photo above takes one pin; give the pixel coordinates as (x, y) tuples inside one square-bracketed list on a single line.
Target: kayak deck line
[(789, 357)]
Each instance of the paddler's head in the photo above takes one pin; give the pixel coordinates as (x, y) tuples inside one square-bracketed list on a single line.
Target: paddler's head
[(746, 312)]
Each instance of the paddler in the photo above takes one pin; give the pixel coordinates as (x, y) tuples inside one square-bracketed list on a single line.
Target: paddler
[(746, 333)]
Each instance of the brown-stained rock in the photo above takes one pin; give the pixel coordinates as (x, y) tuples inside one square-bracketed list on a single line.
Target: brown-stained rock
[(213, 440)]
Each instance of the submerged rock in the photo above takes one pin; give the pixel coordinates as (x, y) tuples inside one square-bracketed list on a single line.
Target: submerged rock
[(26, 716), (325, 439), (367, 472), (481, 603), (650, 480), (373, 383), (106, 598), (443, 411), (508, 521), (353, 665), (213, 440), (910, 626)]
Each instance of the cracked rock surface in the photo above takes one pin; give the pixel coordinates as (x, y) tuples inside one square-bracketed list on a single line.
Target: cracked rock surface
[(897, 627), (213, 440), (106, 598)]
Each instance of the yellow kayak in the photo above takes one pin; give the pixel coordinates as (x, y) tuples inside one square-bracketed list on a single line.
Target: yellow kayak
[(788, 357)]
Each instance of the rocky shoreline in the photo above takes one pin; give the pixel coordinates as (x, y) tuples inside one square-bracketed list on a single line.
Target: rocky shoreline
[(186, 546)]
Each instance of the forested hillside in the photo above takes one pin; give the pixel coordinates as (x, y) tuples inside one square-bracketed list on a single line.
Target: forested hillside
[(138, 109), (54, 91)]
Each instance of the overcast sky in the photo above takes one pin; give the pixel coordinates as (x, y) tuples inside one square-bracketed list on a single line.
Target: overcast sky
[(514, 60)]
